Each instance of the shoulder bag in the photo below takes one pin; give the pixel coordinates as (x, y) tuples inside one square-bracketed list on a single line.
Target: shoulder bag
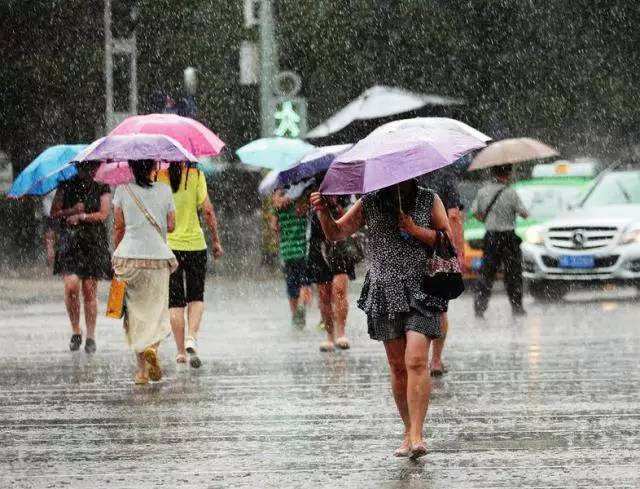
[(116, 301), (484, 215)]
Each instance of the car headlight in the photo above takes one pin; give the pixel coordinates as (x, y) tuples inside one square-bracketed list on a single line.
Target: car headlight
[(534, 235), (630, 236)]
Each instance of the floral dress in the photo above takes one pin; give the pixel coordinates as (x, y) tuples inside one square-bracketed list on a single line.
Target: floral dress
[(392, 295)]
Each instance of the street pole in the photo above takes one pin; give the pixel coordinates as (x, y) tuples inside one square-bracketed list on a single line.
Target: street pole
[(268, 65), (108, 64)]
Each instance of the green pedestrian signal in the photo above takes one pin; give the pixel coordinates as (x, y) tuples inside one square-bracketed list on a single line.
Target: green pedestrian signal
[(288, 120)]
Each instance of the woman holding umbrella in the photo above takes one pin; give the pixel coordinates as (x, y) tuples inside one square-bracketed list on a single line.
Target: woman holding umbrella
[(80, 208), (404, 223), (398, 313)]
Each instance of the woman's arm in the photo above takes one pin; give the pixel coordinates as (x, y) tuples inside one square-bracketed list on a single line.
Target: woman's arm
[(212, 223), (343, 227), (100, 216), (439, 220), (171, 221), (118, 226)]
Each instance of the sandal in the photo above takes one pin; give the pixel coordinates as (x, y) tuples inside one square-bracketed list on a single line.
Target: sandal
[(326, 346), (438, 372), (343, 343), (403, 451), (153, 367), (75, 342), (181, 358)]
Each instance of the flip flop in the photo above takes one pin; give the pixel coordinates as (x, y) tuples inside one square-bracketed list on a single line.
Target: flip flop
[(181, 358), (402, 452), (153, 367), (343, 343)]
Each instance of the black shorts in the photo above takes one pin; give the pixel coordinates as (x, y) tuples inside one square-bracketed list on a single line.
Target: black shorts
[(186, 284)]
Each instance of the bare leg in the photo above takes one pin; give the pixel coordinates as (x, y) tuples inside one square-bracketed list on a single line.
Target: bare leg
[(177, 326), (194, 317), (89, 294), (142, 365), (438, 345), (340, 302), (326, 309), (396, 357), (72, 301), (293, 305), (418, 383)]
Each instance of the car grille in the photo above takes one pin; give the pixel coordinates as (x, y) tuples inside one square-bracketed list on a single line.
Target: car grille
[(599, 262), (580, 237)]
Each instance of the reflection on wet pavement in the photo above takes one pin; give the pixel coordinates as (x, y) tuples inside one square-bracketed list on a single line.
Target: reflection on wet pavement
[(550, 400)]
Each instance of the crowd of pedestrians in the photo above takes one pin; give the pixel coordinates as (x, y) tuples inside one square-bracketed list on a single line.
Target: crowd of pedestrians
[(160, 253)]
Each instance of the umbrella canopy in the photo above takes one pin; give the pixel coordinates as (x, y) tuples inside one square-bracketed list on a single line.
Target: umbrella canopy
[(376, 102), (45, 173), (136, 147), (269, 183), (194, 136), (434, 124), (400, 154), (273, 153), (317, 161), (510, 151)]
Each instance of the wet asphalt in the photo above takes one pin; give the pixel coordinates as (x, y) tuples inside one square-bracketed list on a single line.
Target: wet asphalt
[(550, 400)]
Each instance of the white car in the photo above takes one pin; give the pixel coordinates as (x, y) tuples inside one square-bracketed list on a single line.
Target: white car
[(598, 242)]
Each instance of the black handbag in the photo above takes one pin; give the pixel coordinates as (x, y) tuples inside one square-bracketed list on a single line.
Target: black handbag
[(444, 276)]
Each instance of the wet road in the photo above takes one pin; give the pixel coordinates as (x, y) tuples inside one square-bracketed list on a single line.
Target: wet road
[(547, 401)]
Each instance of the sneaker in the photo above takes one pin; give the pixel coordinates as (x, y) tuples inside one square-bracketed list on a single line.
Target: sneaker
[(76, 341), (191, 347), (90, 346)]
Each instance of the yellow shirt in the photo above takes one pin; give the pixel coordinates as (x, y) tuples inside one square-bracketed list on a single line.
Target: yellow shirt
[(187, 235)]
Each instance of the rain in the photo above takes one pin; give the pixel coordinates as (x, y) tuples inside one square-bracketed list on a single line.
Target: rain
[(337, 187)]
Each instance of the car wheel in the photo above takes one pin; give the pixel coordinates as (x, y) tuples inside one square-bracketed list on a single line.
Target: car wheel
[(547, 291)]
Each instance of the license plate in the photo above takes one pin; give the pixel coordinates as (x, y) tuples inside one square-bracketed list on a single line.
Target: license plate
[(577, 261)]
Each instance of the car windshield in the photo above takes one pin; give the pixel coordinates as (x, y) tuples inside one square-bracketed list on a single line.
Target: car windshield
[(546, 201), (617, 188)]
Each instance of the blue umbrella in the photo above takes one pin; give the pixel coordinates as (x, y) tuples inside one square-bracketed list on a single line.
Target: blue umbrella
[(317, 161), (273, 153), (47, 171)]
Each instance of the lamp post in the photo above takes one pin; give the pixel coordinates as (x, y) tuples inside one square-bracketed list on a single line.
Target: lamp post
[(268, 66)]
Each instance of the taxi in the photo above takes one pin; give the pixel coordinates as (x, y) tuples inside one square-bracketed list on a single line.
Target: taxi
[(551, 190)]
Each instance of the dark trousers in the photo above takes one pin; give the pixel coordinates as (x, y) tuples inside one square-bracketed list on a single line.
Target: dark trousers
[(500, 247)]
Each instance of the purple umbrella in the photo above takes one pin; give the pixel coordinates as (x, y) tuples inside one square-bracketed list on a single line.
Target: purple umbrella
[(136, 147), (317, 161), (385, 158)]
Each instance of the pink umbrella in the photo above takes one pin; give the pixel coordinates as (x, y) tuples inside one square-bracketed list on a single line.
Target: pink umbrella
[(114, 173), (194, 136)]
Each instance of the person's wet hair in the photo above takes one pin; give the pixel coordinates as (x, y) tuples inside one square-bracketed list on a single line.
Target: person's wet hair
[(175, 175), (141, 170), (503, 171), (87, 169)]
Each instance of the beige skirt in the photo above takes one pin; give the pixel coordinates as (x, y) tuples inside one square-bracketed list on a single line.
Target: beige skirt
[(146, 319)]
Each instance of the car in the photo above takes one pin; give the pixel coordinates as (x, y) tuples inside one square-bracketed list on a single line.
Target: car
[(551, 189), (596, 243)]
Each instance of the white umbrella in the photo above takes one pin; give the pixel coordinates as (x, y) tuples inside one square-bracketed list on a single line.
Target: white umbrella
[(378, 101), (510, 151), (434, 124)]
